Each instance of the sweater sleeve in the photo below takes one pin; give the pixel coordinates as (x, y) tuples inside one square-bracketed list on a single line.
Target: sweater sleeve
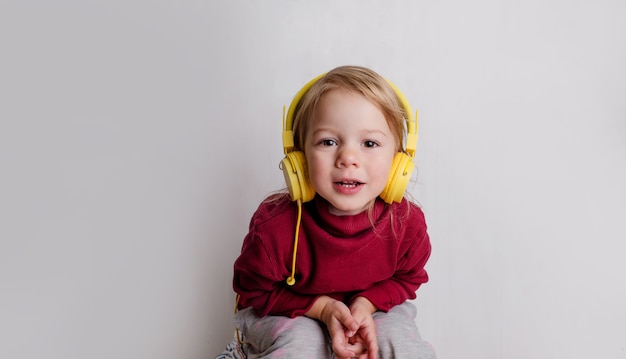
[(261, 284), (408, 277)]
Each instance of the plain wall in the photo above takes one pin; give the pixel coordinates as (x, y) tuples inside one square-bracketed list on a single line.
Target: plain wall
[(138, 137)]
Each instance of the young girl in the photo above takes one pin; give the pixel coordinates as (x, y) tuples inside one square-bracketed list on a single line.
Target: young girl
[(326, 270)]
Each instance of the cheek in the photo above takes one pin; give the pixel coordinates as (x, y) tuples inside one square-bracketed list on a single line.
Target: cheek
[(319, 171), (315, 164), (385, 166)]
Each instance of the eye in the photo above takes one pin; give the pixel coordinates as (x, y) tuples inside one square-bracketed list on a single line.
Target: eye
[(370, 144), (328, 142)]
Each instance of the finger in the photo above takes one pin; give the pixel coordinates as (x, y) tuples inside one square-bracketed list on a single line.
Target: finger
[(361, 348), (351, 327), (356, 348), (340, 345), (343, 352), (348, 321), (372, 351), (370, 342)]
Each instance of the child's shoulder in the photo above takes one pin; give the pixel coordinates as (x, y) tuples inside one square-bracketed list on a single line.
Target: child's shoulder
[(274, 206), (409, 210)]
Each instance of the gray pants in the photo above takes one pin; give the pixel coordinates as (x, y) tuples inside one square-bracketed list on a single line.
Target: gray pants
[(304, 338)]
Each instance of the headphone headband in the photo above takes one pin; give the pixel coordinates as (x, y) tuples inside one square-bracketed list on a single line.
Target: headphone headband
[(411, 121)]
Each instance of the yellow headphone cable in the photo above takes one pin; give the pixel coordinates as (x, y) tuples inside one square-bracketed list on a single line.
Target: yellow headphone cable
[(292, 278)]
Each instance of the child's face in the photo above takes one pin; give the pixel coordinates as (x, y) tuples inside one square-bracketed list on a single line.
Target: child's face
[(349, 151)]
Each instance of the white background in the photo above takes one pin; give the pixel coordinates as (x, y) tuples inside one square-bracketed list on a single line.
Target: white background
[(137, 138)]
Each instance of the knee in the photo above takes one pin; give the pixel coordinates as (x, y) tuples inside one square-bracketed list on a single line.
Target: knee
[(282, 337), (301, 332), (398, 336), (301, 338), (424, 350), (403, 346)]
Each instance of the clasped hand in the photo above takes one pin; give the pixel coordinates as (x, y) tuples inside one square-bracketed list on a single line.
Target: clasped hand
[(352, 330)]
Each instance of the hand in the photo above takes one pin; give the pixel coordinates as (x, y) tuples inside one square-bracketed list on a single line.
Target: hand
[(362, 310), (340, 324)]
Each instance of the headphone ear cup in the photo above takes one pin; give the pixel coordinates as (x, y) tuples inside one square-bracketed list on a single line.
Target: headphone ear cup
[(297, 177), (401, 170)]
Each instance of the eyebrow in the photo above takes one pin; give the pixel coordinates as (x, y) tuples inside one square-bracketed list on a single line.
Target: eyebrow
[(364, 132), (383, 133)]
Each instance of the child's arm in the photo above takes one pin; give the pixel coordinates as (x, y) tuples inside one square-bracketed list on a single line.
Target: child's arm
[(260, 287), (260, 271), (410, 274)]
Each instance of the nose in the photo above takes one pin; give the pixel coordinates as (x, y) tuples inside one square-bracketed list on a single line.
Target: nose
[(347, 156)]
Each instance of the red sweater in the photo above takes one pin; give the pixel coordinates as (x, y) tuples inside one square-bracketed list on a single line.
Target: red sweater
[(339, 256)]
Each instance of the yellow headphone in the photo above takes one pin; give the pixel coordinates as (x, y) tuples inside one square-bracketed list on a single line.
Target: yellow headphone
[(295, 169)]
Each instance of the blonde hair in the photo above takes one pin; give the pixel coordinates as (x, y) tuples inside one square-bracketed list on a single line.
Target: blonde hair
[(357, 79)]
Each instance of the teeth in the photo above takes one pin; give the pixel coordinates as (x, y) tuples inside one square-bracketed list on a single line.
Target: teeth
[(349, 184)]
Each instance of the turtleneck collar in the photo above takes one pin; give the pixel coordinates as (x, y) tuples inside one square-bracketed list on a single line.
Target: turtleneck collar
[(347, 226)]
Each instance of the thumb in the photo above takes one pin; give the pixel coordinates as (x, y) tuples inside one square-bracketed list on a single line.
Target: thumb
[(350, 324)]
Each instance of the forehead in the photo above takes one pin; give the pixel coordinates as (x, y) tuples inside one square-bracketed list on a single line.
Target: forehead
[(345, 104)]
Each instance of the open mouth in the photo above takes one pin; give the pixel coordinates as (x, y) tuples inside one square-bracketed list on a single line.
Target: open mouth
[(349, 184)]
